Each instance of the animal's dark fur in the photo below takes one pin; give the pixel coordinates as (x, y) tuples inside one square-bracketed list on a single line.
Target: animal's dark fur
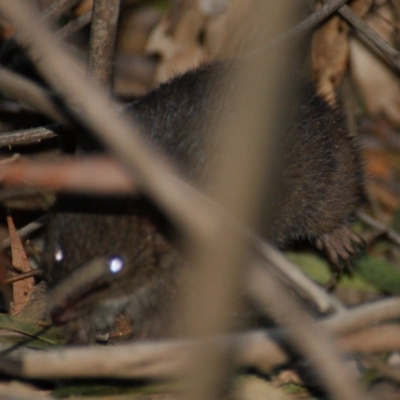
[(321, 189)]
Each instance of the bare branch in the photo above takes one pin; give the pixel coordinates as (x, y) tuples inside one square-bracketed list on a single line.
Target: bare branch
[(29, 93), (370, 37), (296, 279), (102, 40), (28, 136), (302, 333), (71, 174), (167, 359), (25, 231), (380, 226)]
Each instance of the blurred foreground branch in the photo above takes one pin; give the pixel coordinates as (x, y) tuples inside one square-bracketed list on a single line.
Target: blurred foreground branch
[(167, 359)]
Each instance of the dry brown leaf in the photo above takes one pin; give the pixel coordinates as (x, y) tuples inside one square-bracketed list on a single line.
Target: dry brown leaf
[(123, 329), (377, 83), (83, 7), (377, 164), (330, 51), (23, 288)]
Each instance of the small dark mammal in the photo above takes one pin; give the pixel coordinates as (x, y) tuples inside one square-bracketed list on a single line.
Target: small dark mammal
[(321, 189)]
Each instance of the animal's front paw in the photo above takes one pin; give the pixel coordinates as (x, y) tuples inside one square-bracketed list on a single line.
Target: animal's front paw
[(340, 245)]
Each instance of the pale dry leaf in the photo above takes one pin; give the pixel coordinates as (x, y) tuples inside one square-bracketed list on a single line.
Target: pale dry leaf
[(329, 56), (378, 84), (330, 51), (177, 43), (192, 35), (23, 288)]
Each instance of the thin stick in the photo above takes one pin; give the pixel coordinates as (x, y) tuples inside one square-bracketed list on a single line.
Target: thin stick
[(290, 273), (20, 277), (27, 92), (310, 22), (370, 37), (25, 231), (102, 40), (380, 226), (28, 136), (58, 8), (70, 174)]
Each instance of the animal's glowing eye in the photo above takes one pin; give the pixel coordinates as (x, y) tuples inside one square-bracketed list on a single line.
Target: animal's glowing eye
[(115, 264), (58, 254)]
